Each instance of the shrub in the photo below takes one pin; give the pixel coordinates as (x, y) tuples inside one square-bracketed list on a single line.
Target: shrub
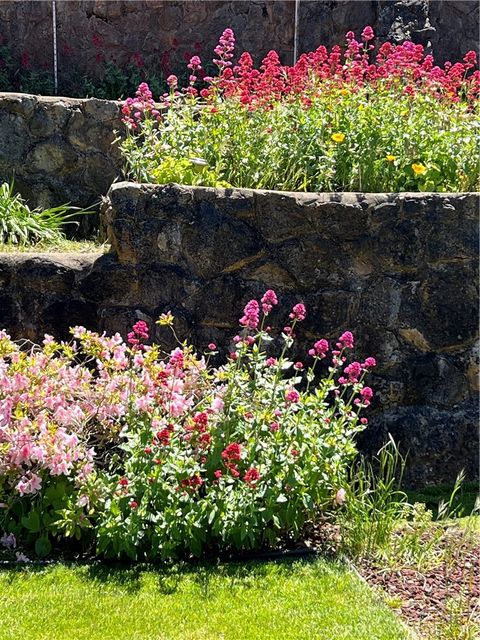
[(331, 122), (188, 458), (20, 225)]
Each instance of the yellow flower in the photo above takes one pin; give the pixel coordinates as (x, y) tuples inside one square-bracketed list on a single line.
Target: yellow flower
[(419, 168), (344, 92), (165, 320), (390, 158), (338, 137)]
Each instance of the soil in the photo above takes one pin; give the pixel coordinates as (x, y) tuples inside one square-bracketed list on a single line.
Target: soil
[(446, 591)]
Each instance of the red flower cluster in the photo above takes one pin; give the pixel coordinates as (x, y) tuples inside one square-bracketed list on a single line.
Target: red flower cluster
[(251, 477), (404, 65), (134, 110), (193, 482), (232, 452)]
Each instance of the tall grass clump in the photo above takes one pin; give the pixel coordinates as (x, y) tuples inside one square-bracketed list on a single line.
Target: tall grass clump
[(21, 226)]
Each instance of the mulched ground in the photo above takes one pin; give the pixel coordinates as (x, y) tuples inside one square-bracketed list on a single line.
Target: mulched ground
[(449, 586)]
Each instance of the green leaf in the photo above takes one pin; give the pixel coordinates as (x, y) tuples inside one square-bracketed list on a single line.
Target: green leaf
[(43, 546), (32, 522)]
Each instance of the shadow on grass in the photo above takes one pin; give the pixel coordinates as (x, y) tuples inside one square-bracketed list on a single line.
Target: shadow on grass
[(168, 578)]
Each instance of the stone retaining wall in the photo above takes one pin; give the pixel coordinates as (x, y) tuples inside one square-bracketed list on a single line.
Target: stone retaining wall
[(60, 150), (399, 270), (159, 34)]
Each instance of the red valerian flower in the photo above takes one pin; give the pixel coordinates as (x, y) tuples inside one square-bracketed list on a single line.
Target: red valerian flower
[(292, 396), (320, 349), (367, 395), (345, 341), (298, 312), (250, 316), (164, 436), (232, 452), (269, 300), (138, 334), (251, 477)]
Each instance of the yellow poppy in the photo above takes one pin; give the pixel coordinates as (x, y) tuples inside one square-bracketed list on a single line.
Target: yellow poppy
[(419, 169), (390, 158), (344, 92), (338, 137)]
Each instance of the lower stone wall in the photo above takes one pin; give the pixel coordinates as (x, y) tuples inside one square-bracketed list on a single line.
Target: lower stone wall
[(399, 271)]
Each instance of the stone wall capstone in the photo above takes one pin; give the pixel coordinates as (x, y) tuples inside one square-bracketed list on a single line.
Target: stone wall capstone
[(399, 270)]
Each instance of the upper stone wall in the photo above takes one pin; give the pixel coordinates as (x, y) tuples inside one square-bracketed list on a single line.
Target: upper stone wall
[(59, 149), (163, 33)]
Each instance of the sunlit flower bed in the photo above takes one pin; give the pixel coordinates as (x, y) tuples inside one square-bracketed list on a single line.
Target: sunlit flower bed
[(132, 451), (354, 120)]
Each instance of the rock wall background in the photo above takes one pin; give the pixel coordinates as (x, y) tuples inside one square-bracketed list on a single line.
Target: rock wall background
[(161, 34), (60, 150), (400, 271)]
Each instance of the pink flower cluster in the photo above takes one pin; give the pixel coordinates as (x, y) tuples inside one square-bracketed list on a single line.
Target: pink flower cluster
[(138, 334), (134, 110), (50, 404)]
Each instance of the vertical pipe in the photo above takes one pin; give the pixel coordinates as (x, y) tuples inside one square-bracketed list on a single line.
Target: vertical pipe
[(54, 29), (296, 30)]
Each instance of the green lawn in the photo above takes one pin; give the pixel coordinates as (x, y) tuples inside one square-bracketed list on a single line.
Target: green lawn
[(250, 601)]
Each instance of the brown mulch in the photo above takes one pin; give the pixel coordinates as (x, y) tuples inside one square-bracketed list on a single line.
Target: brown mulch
[(425, 596)]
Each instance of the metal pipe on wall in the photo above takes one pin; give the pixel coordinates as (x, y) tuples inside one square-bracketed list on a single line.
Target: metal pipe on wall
[(296, 30), (54, 29)]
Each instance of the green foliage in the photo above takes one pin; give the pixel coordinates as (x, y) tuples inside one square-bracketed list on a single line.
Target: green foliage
[(20, 225), (375, 505), (290, 147), (378, 522), (192, 171), (465, 497)]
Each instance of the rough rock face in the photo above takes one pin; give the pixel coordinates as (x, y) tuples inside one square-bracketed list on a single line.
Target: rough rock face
[(59, 149), (400, 271), (164, 33)]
